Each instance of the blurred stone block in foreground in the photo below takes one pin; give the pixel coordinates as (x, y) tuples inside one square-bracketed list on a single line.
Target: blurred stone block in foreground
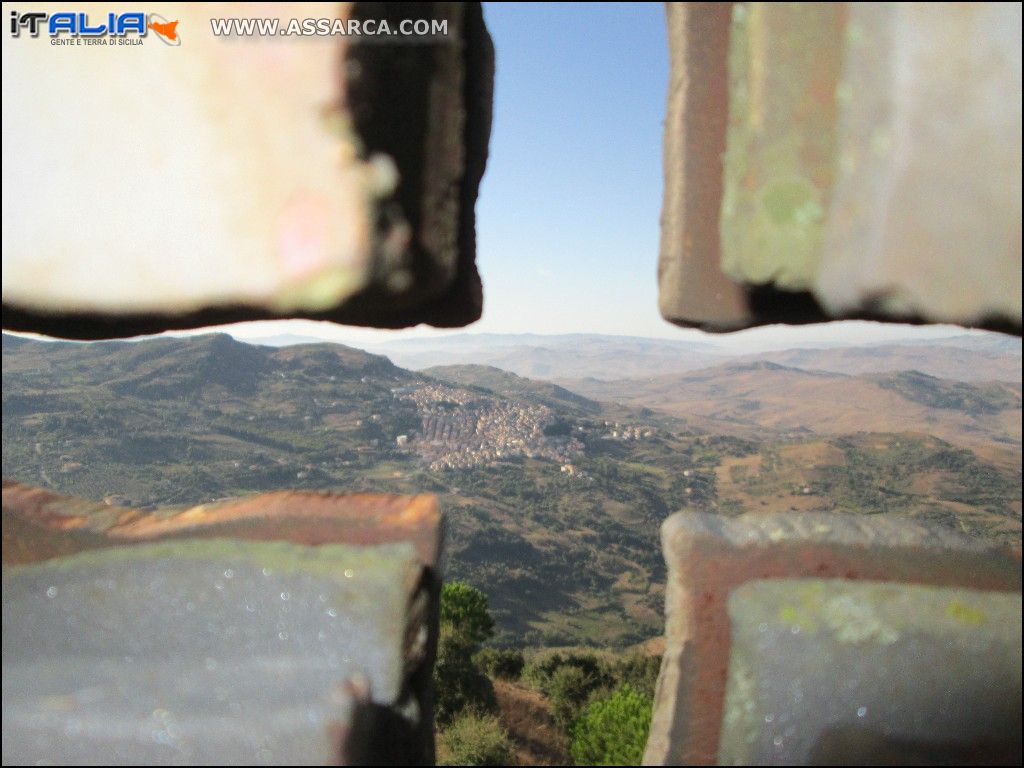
[(212, 179), (926, 217), (837, 672), (287, 628), (842, 160), (691, 284), (828, 584)]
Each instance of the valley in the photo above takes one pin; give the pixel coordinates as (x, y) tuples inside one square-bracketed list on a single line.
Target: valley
[(554, 492)]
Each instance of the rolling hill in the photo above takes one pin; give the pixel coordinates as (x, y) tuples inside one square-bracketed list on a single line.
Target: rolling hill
[(763, 395), (556, 356), (510, 385), (563, 358), (976, 359)]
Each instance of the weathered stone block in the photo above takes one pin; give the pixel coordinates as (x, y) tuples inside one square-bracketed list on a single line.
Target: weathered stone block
[(710, 556), (200, 652), (289, 627), (838, 672), (692, 286), (926, 214), (246, 177), (779, 165), (872, 164)]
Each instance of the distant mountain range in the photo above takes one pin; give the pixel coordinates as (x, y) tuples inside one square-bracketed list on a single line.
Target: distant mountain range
[(754, 395), (547, 357), (971, 358), (964, 357)]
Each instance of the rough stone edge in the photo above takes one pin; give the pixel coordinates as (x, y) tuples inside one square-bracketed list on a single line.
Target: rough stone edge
[(371, 518), (684, 532), (691, 285), (693, 292), (449, 300), (385, 735), (753, 529)]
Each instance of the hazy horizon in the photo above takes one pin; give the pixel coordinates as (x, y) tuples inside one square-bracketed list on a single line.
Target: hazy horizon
[(762, 339), (765, 338)]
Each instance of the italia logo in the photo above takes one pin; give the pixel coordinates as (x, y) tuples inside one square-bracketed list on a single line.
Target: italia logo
[(119, 25)]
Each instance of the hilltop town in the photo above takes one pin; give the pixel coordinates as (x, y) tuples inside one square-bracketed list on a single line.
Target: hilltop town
[(463, 428)]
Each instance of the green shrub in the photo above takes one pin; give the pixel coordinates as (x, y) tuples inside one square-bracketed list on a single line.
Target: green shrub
[(464, 611), (506, 664), (568, 690), (474, 739), (542, 668), (573, 680), (458, 682), (637, 670), (612, 731), (538, 670)]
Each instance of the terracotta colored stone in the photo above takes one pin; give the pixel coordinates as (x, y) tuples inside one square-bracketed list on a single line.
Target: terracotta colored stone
[(709, 556), (287, 627), (39, 524)]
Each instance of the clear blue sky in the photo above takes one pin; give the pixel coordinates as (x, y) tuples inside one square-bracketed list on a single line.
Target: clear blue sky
[(568, 215), (569, 206)]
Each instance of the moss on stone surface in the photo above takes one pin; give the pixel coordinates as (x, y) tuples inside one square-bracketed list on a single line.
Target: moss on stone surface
[(784, 62), (924, 664), (334, 560), (873, 612)]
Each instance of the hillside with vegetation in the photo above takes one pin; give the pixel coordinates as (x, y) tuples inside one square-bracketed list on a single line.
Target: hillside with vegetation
[(503, 706)]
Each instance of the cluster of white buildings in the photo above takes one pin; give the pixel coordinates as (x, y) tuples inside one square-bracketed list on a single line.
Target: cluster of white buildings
[(462, 428)]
